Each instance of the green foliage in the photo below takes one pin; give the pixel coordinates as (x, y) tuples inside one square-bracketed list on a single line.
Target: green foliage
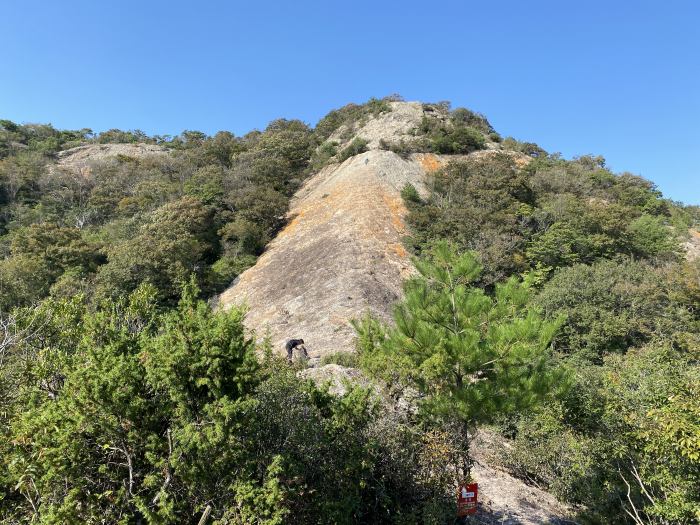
[(347, 359), (528, 148), (41, 138), (409, 193), (23, 280), (402, 148), (549, 214), (133, 414), (225, 270), (137, 424), (360, 462), (460, 132), (650, 237), (653, 406), (124, 399), (154, 219), (117, 136), (612, 306), (467, 118), (473, 357), (456, 140), (625, 439), (357, 146), (480, 204), (323, 154), (175, 241)]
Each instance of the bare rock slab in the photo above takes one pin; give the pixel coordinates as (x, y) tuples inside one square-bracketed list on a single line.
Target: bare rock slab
[(339, 256)]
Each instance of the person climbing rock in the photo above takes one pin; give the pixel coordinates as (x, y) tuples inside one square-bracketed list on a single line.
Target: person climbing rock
[(292, 344)]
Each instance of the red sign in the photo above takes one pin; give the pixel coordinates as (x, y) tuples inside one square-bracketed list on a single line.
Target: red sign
[(466, 499)]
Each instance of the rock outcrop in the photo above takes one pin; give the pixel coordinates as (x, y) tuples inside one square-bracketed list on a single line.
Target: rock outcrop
[(341, 253), (692, 245), (81, 158), (339, 256)]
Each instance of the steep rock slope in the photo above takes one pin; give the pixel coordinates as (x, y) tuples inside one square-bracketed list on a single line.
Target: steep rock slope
[(341, 253), (339, 256)]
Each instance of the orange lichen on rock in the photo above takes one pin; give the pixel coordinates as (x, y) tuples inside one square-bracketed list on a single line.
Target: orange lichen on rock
[(430, 162), (397, 209), (339, 257), (399, 250), (292, 224)]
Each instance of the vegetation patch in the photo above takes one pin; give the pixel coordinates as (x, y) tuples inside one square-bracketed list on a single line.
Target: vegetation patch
[(357, 146)]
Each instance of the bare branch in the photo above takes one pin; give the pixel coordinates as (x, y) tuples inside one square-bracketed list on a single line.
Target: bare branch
[(168, 473)]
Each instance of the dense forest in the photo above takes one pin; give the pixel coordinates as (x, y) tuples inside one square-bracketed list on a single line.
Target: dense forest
[(554, 304)]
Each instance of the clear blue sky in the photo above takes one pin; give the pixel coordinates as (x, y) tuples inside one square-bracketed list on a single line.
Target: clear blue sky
[(615, 78)]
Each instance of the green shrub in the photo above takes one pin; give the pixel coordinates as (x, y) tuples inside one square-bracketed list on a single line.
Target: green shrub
[(611, 306), (404, 148), (139, 415), (632, 416), (650, 237), (347, 359), (528, 148), (226, 269), (457, 140), (463, 117), (323, 154), (357, 146), (409, 193)]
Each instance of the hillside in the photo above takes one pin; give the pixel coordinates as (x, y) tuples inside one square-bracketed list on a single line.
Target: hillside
[(341, 253), (527, 320)]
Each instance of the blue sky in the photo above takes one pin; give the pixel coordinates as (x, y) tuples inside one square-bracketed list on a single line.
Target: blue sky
[(615, 78)]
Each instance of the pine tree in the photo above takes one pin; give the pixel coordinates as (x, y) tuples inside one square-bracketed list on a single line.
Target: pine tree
[(471, 357)]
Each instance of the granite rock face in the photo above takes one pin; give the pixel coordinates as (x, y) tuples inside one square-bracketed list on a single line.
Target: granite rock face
[(341, 253), (339, 256)]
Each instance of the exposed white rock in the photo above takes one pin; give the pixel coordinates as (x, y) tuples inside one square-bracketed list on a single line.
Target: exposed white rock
[(81, 158), (339, 256)]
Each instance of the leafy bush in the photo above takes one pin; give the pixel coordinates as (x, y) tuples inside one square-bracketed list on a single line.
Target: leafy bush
[(323, 154), (528, 148), (611, 306), (347, 359), (403, 148), (478, 204), (357, 146), (621, 442), (463, 117), (91, 227), (457, 140), (132, 414), (409, 193)]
